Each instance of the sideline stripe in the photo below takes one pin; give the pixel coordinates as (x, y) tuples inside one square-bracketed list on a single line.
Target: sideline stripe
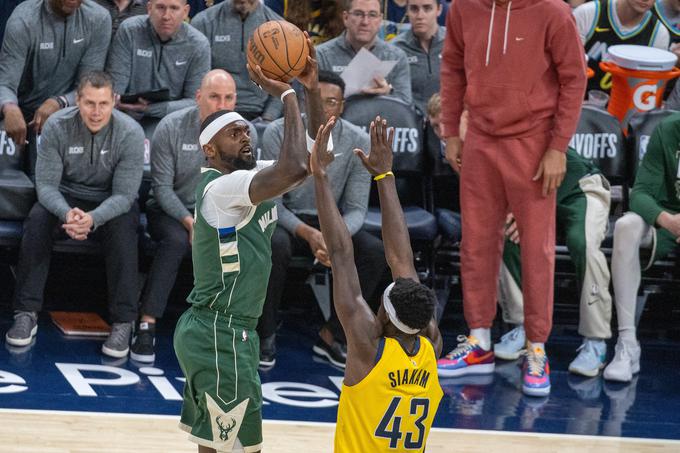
[(326, 424)]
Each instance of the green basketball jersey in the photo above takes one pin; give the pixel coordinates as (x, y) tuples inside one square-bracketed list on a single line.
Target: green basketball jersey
[(232, 262), (577, 167)]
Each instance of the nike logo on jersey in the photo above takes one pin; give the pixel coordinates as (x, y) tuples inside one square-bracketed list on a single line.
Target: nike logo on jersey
[(180, 63), (76, 41), (601, 30), (517, 38), (104, 151)]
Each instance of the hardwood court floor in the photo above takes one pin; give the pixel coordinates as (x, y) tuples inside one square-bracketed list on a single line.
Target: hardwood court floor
[(73, 432)]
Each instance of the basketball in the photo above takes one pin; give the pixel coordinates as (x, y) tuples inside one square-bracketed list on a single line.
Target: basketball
[(279, 48)]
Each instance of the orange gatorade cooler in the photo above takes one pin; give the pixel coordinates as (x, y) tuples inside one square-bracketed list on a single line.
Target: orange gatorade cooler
[(639, 76)]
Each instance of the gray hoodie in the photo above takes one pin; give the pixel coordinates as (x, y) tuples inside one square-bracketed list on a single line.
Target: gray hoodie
[(350, 182), (105, 167), (335, 55), (43, 55), (424, 65), (138, 61), (228, 36), (176, 161)]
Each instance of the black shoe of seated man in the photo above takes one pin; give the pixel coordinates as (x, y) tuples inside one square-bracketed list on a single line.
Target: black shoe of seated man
[(143, 342), (268, 351), (334, 353)]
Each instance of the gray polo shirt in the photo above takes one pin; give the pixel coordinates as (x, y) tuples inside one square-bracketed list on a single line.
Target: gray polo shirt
[(176, 161), (349, 180), (424, 66), (134, 8), (228, 36), (44, 55), (138, 61), (335, 55), (105, 167)]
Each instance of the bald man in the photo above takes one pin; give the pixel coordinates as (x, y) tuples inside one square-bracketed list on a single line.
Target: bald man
[(176, 160)]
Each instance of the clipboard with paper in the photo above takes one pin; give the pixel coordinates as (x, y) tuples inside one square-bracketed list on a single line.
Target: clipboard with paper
[(360, 72)]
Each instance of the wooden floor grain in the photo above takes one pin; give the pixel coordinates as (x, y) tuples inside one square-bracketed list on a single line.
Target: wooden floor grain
[(68, 432)]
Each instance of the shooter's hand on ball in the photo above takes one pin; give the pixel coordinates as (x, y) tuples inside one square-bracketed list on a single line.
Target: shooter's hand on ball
[(309, 78), (271, 86)]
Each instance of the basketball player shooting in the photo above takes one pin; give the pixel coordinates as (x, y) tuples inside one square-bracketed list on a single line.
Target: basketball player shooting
[(215, 340), (391, 391)]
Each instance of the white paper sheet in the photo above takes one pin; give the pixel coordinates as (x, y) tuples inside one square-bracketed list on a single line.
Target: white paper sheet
[(362, 69)]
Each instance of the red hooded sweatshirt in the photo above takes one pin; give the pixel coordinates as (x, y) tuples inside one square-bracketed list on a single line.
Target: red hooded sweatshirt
[(519, 68)]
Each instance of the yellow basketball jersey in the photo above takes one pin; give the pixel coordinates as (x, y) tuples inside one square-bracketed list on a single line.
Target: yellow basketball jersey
[(392, 408)]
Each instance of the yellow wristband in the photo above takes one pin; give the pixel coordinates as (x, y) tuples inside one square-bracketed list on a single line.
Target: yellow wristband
[(379, 177)]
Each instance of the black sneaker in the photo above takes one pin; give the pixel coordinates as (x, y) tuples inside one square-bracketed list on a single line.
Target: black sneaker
[(268, 351), (334, 353), (143, 341)]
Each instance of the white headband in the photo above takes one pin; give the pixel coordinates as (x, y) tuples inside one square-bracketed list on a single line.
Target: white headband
[(392, 313), (217, 125)]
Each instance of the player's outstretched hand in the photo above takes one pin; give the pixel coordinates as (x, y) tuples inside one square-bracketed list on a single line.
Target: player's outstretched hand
[(321, 157), (309, 78), (379, 161), (271, 86)]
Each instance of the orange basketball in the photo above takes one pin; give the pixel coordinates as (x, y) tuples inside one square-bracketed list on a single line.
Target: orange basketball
[(279, 48)]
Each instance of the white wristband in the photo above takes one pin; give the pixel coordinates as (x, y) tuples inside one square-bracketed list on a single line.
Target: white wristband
[(286, 93), (311, 141)]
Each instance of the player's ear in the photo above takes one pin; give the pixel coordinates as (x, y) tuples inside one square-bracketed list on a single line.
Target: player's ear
[(209, 150)]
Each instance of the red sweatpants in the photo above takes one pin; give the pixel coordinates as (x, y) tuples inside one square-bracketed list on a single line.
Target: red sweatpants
[(496, 178)]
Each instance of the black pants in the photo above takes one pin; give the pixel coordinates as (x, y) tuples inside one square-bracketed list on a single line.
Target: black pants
[(118, 238), (369, 256), (173, 245)]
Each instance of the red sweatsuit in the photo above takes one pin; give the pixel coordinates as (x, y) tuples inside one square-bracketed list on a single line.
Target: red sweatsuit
[(519, 69)]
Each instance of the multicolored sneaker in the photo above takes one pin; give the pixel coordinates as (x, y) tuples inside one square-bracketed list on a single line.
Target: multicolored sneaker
[(467, 358), (536, 373)]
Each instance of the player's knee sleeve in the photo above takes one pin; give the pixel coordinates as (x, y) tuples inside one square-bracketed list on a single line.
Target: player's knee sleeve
[(628, 231)]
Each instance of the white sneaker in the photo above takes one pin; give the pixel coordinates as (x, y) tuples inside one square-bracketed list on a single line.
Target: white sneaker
[(625, 364), (511, 344), (590, 359)]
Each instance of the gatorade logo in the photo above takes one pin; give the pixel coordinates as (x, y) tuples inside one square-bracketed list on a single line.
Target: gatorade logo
[(644, 97), (595, 146)]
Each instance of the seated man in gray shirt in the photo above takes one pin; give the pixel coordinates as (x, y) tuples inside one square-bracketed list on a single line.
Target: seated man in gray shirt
[(228, 26), (423, 44), (158, 51), (176, 161), (362, 22), (89, 168), (121, 10), (298, 229), (47, 46)]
